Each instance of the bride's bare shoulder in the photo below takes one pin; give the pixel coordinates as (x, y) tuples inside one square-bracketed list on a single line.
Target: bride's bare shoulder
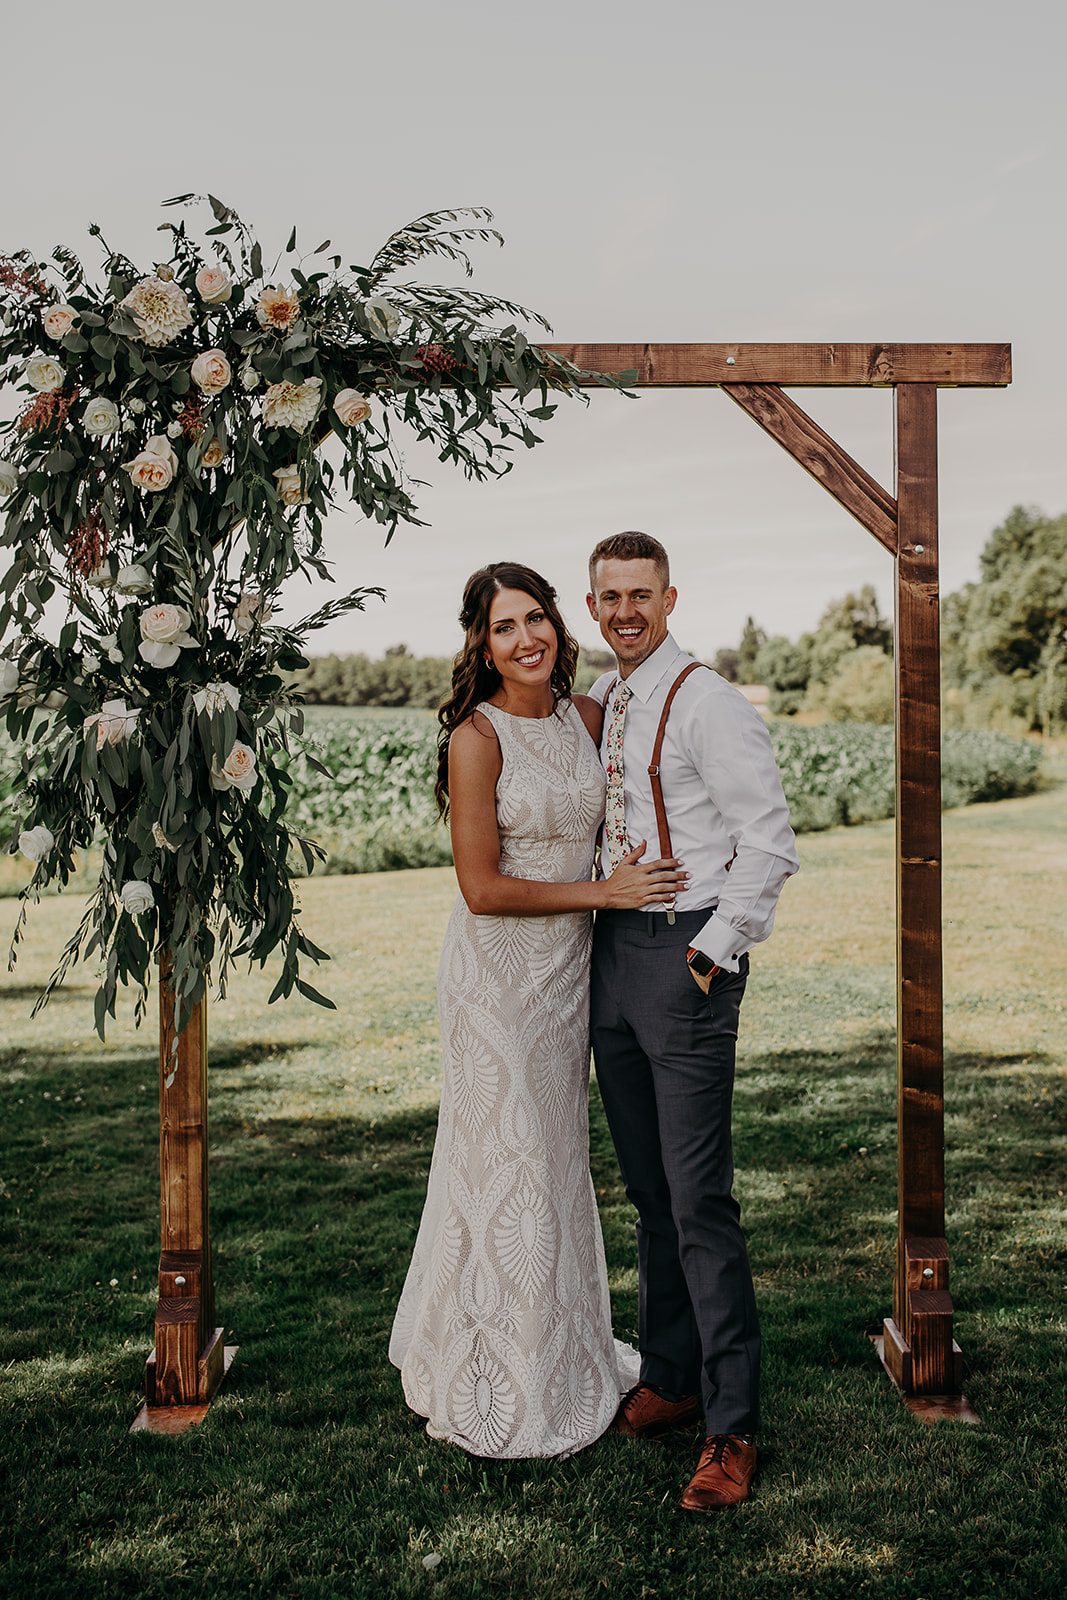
[(591, 713), (474, 741)]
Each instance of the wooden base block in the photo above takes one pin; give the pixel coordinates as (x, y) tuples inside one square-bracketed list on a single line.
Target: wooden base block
[(215, 1363), (927, 1407)]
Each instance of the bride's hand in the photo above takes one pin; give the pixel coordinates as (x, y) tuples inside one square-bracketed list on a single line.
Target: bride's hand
[(632, 886)]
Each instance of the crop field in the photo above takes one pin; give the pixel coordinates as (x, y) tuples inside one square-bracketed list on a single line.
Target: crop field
[(376, 812)]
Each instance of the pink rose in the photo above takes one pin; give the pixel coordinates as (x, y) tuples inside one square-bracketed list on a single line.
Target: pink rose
[(59, 320), (290, 490), (251, 608), (155, 466), (238, 771), (214, 455), (211, 371), (213, 286), (351, 407)]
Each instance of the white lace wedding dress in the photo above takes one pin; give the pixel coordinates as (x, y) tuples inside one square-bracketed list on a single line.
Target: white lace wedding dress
[(503, 1332)]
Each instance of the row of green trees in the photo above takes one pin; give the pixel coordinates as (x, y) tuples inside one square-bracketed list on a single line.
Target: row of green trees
[(843, 670), (1003, 644), (1004, 650), (401, 679)]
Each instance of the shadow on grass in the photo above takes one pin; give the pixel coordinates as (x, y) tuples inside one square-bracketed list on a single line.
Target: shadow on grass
[(311, 1478)]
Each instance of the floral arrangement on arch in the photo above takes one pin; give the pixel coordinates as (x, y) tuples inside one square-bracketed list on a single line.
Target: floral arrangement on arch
[(163, 478)]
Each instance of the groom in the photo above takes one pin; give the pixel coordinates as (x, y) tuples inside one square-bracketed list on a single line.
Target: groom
[(666, 992)]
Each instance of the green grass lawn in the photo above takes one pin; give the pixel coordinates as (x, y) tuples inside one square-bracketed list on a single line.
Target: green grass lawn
[(310, 1478)]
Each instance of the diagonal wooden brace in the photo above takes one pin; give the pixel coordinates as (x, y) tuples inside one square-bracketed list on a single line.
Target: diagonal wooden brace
[(821, 456)]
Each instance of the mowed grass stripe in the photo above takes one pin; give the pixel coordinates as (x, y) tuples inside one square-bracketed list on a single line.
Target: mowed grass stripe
[(310, 1478)]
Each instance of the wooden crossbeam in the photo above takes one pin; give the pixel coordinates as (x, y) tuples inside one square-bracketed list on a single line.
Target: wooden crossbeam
[(982, 366), (821, 456)]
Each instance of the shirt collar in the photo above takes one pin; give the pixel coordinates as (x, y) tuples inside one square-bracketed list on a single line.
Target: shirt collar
[(643, 680)]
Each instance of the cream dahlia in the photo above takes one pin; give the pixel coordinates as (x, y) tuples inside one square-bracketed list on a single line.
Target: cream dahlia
[(159, 309)]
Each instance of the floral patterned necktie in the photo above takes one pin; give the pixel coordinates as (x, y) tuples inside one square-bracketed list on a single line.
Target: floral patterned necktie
[(616, 841)]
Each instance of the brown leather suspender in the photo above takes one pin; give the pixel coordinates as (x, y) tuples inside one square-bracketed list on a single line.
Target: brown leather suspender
[(653, 771)]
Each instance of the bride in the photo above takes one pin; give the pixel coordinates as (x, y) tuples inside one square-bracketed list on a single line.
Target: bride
[(503, 1332)]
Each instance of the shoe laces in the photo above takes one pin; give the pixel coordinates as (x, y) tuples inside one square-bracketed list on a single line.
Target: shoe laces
[(716, 1449)]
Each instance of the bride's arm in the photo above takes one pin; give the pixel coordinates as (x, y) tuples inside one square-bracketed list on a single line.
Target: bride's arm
[(474, 765)]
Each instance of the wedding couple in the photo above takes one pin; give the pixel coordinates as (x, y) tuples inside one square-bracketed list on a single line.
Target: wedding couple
[(503, 1333)]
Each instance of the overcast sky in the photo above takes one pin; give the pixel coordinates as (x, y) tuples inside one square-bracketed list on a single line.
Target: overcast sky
[(834, 171)]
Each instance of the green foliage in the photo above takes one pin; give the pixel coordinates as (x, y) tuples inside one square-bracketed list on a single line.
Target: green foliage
[(786, 670), (156, 484), (399, 679), (860, 689), (799, 675), (752, 638), (1005, 637), (844, 772)]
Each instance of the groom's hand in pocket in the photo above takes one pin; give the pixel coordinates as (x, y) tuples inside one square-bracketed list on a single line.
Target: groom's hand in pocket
[(702, 967)]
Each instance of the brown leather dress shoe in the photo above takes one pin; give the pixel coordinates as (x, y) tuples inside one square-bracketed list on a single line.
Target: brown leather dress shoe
[(645, 1414), (722, 1479)]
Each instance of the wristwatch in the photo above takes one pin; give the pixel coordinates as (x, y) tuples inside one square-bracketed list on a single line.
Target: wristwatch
[(702, 967)]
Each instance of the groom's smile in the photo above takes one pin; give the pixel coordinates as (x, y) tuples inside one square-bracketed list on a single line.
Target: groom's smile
[(631, 604)]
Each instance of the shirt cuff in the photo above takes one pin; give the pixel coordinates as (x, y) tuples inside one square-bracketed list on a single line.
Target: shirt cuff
[(720, 943)]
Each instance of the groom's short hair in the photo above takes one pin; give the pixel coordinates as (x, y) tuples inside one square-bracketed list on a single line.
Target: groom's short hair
[(630, 547)]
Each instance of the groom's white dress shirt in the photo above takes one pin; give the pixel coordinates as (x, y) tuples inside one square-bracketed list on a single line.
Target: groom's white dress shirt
[(722, 793)]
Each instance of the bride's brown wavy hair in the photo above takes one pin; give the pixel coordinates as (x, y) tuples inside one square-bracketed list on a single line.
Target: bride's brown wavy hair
[(472, 680)]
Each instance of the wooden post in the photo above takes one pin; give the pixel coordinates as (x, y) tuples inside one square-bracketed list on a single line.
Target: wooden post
[(186, 1365), (918, 1346)]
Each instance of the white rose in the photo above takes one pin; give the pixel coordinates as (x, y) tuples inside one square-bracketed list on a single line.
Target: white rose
[(291, 405), (211, 371), (213, 286), (137, 897), (58, 320), (174, 430), (164, 635), (136, 406), (111, 645), (91, 662), (9, 676), (215, 697), (251, 377), (101, 577), (159, 309), (238, 771), (101, 416), (289, 488), (155, 466), (35, 843), (113, 723), (9, 478), (133, 579), (250, 608), (351, 407), (384, 318), (44, 374)]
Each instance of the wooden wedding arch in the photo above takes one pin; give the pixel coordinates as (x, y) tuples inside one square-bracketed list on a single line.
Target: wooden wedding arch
[(917, 1343)]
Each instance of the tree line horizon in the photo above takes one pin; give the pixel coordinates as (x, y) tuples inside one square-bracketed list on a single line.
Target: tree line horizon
[(1004, 650)]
